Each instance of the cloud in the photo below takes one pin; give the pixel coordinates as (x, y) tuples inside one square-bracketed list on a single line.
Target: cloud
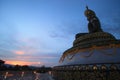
[(19, 52), (69, 28), (38, 58), (112, 26), (56, 35), (29, 50)]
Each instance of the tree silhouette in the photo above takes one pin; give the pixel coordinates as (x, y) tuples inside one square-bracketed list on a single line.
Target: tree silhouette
[(25, 67), (17, 67)]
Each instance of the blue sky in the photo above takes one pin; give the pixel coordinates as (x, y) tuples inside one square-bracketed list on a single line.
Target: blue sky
[(37, 32)]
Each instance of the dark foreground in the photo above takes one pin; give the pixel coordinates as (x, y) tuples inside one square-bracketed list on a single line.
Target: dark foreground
[(24, 75)]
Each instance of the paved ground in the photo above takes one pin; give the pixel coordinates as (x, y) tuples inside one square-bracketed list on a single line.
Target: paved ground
[(44, 76), (24, 76)]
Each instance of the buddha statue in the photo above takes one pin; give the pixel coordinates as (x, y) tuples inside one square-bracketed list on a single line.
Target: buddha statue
[(94, 23)]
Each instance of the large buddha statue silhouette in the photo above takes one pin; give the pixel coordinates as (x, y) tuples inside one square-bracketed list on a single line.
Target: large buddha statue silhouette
[(94, 23)]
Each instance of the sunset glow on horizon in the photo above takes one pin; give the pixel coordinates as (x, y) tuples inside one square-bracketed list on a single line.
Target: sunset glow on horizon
[(23, 63)]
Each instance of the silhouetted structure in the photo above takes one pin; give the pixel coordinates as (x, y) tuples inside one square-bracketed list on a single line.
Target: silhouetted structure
[(94, 55), (94, 23), (2, 62), (2, 67)]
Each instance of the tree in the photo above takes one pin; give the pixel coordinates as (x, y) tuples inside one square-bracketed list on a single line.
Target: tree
[(25, 67), (17, 67)]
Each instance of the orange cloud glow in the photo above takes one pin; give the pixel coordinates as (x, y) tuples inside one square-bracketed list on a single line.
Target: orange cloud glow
[(19, 52), (22, 63)]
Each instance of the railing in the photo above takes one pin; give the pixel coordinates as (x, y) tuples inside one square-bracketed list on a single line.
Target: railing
[(87, 72)]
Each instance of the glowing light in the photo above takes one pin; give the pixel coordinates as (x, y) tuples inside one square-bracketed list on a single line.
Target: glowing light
[(34, 72), (6, 74), (22, 74), (39, 62)]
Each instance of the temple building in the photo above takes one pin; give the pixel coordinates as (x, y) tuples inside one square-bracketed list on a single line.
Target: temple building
[(94, 55), (2, 62)]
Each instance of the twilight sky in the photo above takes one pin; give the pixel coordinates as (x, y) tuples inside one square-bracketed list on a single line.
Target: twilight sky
[(37, 32)]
